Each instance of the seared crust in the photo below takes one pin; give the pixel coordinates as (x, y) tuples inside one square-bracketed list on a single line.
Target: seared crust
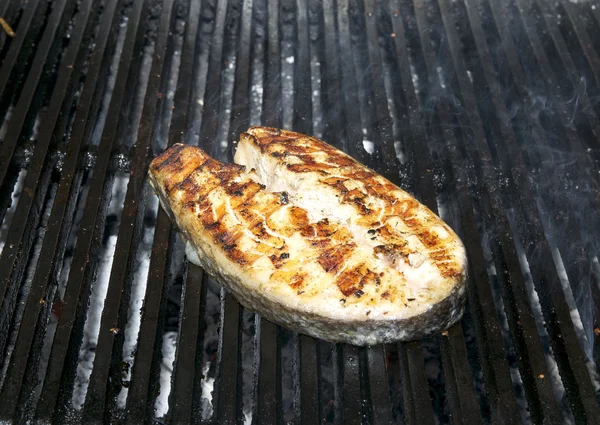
[(374, 202), (345, 281)]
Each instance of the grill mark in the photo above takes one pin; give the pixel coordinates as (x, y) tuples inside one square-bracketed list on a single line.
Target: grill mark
[(303, 147), (298, 217), (226, 239), (187, 184), (297, 281), (279, 260), (350, 282), (333, 258), (392, 252), (167, 158), (306, 148), (261, 233), (241, 192), (324, 229), (249, 216)]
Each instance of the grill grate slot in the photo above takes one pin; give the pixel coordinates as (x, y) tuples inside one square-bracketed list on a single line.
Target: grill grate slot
[(485, 111)]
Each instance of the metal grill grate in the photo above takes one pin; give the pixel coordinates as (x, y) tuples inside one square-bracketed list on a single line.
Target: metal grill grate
[(487, 111)]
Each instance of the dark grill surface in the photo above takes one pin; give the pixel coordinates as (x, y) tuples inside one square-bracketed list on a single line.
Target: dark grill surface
[(487, 111)]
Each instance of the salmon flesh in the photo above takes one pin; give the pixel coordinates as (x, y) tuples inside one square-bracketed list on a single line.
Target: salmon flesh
[(312, 240)]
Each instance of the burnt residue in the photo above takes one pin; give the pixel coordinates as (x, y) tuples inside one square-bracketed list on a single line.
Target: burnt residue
[(284, 198)]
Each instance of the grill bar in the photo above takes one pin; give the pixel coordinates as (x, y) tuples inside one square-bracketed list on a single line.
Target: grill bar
[(39, 175), (14, 52), (584, 39), (462, 403), (303, 121), (417, 409), (379, 388), (8, 10), (459, 104), (352, 401), (493, 360), (70, 325), (567, 61), (105, 379), (229, 398), (269, 410), (269, 388), (228, 383), (56, 22), (561, 309), (544, 391), (542, 387), (142, 392), (187, 374), (351, 112), (14, 256), (411, 353), (145, 368)]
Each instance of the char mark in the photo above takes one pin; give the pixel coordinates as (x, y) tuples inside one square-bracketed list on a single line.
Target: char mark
[(333, 258)]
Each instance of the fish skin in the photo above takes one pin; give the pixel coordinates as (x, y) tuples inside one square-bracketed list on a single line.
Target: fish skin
[(363, 264)]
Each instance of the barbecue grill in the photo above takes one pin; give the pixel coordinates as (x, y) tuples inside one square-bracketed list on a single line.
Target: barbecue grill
[(487, 111)]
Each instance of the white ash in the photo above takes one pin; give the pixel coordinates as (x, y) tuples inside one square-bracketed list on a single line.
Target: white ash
[(176, 274), (256, 93), (99, 289), (208, 386), (504, 328), (62, 277), (249, 352), (27, 154), (551, 365), (258, 65), (212, 317), (596, 267), (368, 146), (587, 344), (317, 107), (29, 275), (138, 292), (414, 76), (110, 82), (201, 61), (287, 87), (6, 122), (470, 76), (169, 346), (226, 93), (441, 77), (163, 123), (14, 198)]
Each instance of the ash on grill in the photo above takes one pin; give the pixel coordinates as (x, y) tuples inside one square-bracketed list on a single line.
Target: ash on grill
[(486, 111)]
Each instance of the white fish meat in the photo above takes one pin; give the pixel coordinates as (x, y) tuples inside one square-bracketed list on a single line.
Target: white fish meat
[(312, 240)]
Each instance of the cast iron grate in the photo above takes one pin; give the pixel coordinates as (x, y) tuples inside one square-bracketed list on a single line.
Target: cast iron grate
[(486, 111)]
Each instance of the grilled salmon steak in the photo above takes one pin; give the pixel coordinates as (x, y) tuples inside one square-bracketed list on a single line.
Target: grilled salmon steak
[(310, 239)]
